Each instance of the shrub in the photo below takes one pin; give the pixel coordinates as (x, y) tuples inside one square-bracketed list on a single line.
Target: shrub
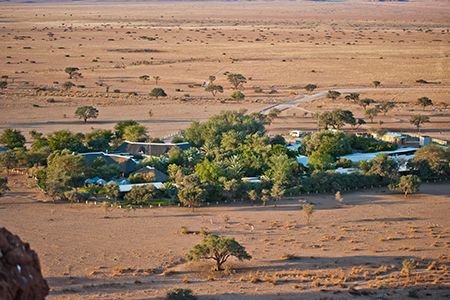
[(140, 195), (180, 294)]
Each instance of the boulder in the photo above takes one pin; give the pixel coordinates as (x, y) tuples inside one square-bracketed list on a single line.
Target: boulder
[(20, 271)]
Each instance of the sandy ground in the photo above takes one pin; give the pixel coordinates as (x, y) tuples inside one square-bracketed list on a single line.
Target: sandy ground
[(139, 254), (278, 46)]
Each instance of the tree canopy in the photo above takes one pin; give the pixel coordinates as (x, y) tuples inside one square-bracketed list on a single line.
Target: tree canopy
[(86, 112), (12, 138)]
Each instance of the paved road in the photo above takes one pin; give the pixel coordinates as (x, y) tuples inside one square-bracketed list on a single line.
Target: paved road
[(311, 97)]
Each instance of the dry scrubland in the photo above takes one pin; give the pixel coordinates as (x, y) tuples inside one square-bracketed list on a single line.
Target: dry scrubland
[(350, 250), (355, 250), (278, 46)]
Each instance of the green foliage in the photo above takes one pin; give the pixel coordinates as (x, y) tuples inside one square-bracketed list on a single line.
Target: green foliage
[(180, 294), (283, 171), (424, 102), (40, 143), (3, 185), (141, 195), (214, 89), (352, 97), (213, 130), (431, 161), (190, 191), (419, 120), (64, 139), (321, 160), (238, 95), (86, 112), (101, 168), (386, 106), (369, 144), (141, 177), (64, 172), (236, 80), (8, 160), (327, 142), (371, 113), (381, 166), (408, 184), (365, 102), (158, 92), (333, 94), (119, 128), (111, 191), (336, 119), (12, 138), (135, 133), (98, 140), (219, 249)]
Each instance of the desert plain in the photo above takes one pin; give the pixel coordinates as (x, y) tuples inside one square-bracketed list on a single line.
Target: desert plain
[(353, 250)]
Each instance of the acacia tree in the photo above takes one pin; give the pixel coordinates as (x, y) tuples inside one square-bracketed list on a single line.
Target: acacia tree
[(8, 160), (219, 249), (12, 138), (86, 112), (365, 102), (386, 106), (236, 80), (336, 118), (376, 83), (371, 113), (333, 94), (158, 92), (214, 89), (67, 85), (408, 184), (135, 133), (157, 79), (424, 102), (144, 78), (418, 120)]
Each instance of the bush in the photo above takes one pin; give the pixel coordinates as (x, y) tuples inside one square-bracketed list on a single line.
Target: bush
[(180, 294), (141, 195)]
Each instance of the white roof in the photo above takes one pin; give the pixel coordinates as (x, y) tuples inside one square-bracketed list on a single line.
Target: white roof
[(302, 159), (124, 188), (357, 157)]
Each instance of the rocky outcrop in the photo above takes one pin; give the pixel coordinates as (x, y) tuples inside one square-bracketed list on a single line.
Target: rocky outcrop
[(20, 271)]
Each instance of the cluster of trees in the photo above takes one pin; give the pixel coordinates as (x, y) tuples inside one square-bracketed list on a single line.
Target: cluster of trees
[(236, 80)]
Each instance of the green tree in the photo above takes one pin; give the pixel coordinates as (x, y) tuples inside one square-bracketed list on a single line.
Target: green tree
[(333, 143), (382, 166), (64, 172), (135, 133), (408, 184), (238, 95), (86, 112), (333, 94), (386, 106), (424, 102), (158, 92), (371, 113), (141, 195), (277, 193), (219, 249), (98, 139), (190, 191), (64, 139), (336, 118), (283, 171), (3, 84), (364, 103), (431, 161), (101, 168), (8, 160), (310, 87), (321, 161), (214, 89), (119, 128), (419, 120), (236, 80), (3, 185), (12, 138)]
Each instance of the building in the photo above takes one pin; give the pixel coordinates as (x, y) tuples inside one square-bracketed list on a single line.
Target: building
[(396, 138), (126, 163), (149, 149)]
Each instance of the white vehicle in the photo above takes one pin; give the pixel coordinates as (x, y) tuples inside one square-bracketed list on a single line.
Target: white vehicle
[(296, 133)]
